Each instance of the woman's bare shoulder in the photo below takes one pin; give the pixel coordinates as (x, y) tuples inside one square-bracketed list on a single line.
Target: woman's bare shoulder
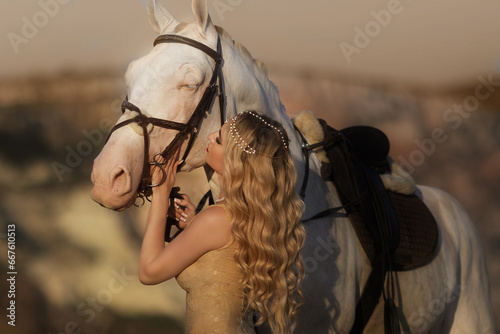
[(214, 222), (213, 214)]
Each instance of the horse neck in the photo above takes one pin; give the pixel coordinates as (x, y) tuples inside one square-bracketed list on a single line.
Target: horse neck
[(247, 87)]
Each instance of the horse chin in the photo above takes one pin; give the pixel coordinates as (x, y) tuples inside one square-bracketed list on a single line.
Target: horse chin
[(106, 199)]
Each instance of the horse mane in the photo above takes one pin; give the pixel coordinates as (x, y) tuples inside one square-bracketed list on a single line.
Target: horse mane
[(258, 65)]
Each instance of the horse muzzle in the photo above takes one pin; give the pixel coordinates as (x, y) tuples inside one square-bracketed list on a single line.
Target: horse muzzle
[(113, 189)]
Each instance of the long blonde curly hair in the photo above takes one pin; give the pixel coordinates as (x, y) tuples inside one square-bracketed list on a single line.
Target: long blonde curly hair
[(265, 211)]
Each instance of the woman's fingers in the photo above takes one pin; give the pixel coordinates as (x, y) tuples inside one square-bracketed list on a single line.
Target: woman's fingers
[(164, 170), (184, 208), (184, 201)]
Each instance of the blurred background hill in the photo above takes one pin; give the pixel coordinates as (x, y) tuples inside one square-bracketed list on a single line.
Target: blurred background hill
[(61, 91)]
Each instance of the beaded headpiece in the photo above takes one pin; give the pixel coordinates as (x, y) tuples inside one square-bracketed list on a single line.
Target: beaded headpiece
[(241, 142)]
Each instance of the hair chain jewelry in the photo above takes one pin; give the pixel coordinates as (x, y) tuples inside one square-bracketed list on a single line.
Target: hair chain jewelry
[(241, 142), (237, 138)]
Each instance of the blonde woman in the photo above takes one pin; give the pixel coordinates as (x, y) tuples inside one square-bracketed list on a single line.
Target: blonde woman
[(240, 257)]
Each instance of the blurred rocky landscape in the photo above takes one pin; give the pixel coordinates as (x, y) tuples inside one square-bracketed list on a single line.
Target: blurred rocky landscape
[(76, 262)]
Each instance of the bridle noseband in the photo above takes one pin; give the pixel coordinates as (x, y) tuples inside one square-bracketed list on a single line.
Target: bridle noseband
[(190, 129)]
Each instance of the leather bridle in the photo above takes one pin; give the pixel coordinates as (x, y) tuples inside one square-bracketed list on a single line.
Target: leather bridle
[(187, 130)]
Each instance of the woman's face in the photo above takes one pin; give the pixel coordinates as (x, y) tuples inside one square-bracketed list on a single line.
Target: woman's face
[(215, 151)]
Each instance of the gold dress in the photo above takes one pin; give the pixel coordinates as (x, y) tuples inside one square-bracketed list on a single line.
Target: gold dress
[(214, 299)]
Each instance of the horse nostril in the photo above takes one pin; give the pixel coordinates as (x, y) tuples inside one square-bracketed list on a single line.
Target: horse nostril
[(120, 180), (119, 173)]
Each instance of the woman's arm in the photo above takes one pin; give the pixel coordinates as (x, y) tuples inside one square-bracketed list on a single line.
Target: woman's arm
[(207, 231)]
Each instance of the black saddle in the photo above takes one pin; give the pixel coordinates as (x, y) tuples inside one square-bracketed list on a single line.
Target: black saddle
[(397, 231), (381, 218)]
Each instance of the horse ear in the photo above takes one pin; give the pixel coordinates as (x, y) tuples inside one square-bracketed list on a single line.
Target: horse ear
[(159, 18), (200, 11)]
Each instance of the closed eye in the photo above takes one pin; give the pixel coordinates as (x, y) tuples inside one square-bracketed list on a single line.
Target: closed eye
[(218, 139), (190, 87)]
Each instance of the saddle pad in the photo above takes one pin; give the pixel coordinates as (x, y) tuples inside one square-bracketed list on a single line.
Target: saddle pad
[(419, 234)]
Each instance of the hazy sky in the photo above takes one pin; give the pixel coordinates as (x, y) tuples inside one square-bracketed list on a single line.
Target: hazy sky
[(429, 42)]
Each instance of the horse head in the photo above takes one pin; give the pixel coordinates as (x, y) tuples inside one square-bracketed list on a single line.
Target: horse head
[(166, 84)]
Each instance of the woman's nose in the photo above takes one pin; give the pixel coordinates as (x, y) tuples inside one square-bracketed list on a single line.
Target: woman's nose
[(211, 136)]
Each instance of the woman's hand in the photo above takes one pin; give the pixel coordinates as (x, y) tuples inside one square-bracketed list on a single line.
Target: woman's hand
[(166, 173), (182, 210)]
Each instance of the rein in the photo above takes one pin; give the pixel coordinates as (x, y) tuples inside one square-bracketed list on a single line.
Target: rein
[(188, 130)]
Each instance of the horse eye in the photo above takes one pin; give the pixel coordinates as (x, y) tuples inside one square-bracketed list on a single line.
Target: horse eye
[(190, 87)]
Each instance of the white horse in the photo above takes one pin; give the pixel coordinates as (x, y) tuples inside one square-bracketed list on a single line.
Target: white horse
[(449, 295)]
